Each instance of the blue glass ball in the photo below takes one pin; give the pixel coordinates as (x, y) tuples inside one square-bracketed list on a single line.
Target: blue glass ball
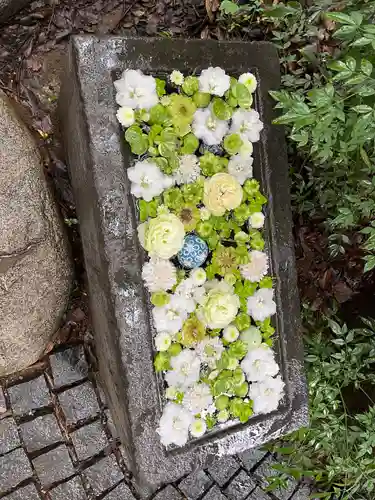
[(193, 253)]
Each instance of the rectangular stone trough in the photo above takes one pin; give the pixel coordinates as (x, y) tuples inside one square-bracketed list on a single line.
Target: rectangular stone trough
[(98, 158)]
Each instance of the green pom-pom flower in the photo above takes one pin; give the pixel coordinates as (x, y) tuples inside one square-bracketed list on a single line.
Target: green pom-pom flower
[(158, 114), (190, 144), (193, 331), (175, 349), (160, 86), (211, 164), (242, 321), (240, 409), (173, 198), (201, 99), (160, 299), (222, 402), (162, 361), (221, 109), (182, 109), (190, 85), (232, 143)]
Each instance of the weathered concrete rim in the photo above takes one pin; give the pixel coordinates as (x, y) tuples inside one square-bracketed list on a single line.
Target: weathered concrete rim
[(97, 157)]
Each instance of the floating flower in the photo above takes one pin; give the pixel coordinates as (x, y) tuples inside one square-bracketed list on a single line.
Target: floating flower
[(257, 266), (198, 275), (170, 318), (225, 259), (198, 398), (136, 90), (188, 170), (198, 427), (208, 128), (125, 116), (189, 215), (259, 363), (231, 333), (185, 290), (176, 77), (247, 124), (182, 109), (185, 370), (222, 192), (256, 220), (205, 213), (174, 425), (210, 350), (218, 309), (162, 341), (214, 81), (159, 274), (147, 180), (162, 236), (241, 167), (266, 394), (249, 80), (193, 331), (247, 147), (252, 337), (261, 305)]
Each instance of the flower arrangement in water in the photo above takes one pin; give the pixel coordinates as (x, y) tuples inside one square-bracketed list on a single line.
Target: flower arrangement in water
[(201, 214)]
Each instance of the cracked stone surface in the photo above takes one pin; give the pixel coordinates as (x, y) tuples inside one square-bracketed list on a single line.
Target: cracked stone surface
[(68, 366), (63, 450)]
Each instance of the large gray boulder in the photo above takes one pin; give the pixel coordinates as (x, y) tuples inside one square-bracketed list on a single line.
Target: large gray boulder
[(35, 269)]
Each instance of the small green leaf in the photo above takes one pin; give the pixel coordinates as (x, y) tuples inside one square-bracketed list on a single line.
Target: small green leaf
[(340, 17), (362, 108), (366, 67), (370, 263), (229, 7)]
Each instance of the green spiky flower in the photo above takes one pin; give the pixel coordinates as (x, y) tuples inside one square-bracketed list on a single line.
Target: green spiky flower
[(193, 331), (189, 215), (224, 259)]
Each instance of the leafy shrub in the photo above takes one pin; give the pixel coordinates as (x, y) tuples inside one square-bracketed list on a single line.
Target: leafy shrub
[(337, 450)]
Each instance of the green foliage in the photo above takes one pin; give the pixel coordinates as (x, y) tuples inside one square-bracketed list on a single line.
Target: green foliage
[(337, 449), (329, 111)]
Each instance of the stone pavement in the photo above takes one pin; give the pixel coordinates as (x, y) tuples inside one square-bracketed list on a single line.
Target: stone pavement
[(58, 442)]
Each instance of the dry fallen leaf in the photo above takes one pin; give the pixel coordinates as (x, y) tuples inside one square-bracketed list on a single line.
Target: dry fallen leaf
[(211, 7)]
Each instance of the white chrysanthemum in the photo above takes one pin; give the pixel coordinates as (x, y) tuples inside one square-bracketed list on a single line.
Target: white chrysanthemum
[(256, 220), (247, 124), (136, 90), (125, 116), (185, 370), (163, 341), (256, 268), (210, 350), (159, 274), (170, 318), (198, 427), (176, 77), (259, 363), (249, 80), (185, 290), (266, 394), (214, 81), (208, 128), (188, 170), (147, 180), (198, 398), (231, 333), (261, 305), (241, 167), (174, 425), (205, 214), (198, 275), (199, 294)]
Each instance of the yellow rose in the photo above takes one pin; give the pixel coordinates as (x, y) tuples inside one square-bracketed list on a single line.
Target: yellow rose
[(222, 192), (162, 236)]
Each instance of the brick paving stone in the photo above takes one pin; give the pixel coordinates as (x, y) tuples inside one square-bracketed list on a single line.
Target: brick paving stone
[(103, 474), (168, 493), (54, 465), (70, 490), (41, 432), (89, 440), (259, 494), (68, 366), (240, 486), (9, 438), (79, 403), (3, 405), (121, 492), (14, 468), (265, 469), (214, 494), (195, 484), (29, 492), (302, 494), (251, 458), (223, 469), (29, 396)]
